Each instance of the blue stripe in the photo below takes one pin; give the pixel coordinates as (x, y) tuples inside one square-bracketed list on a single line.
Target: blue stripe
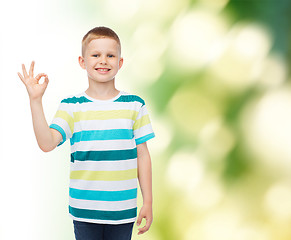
[(109, 134), (103, 215), (103, 195), (144, 138), (58, 128), (108, 155)]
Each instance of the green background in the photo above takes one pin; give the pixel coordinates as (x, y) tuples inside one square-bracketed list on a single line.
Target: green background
[(215, 77)]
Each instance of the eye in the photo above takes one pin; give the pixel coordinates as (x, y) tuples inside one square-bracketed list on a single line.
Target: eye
[(95, 55), (110, 55)]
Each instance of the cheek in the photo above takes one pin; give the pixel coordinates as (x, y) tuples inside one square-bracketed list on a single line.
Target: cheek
[(90, 63)]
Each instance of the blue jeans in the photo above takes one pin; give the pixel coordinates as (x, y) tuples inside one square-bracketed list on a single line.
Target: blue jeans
[(96, 231)]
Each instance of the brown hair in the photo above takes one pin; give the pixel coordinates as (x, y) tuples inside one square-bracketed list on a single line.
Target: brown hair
[(99, 32)]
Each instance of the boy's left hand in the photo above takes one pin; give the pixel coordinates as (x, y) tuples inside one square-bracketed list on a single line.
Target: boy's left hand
[(145, 212)]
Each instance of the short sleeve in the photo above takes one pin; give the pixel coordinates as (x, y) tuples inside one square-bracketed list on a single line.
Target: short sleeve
[(142, 128), (63, 121)]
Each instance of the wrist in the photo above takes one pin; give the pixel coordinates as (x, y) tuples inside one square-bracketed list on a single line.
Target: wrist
[(149, 203), (35, 100)]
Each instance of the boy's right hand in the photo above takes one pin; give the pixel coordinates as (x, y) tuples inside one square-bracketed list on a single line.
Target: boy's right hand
[(34, 89)]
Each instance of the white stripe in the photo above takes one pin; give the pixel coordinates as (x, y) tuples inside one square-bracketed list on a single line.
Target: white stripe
[(104, 165), (103, 124), (142, 112), (64, 125), (93, 106), (103, 221), (103, 185), (142, 131), (67, 107), (103, 205), (98, 145)]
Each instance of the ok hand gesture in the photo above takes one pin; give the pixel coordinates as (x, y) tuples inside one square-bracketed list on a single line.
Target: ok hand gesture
[(34, 89)]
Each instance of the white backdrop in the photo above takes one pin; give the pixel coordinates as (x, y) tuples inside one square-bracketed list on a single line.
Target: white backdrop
[(34, 184)]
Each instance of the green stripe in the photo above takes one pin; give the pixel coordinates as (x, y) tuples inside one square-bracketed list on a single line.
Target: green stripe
[(76, 100), (130, 98), (144, 120), (104, 155), (122, 98), (105, 115), (103, 215), (118, 175), (66, 117)]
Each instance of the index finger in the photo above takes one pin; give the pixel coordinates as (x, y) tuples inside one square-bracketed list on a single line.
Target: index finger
[(31, 69), (148, 224), (146, 227), (24, 71)]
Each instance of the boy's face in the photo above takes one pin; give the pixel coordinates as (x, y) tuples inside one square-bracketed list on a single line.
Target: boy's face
[(101, 60)]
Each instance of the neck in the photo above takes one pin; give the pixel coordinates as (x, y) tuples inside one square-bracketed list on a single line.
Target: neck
[(102, 90)]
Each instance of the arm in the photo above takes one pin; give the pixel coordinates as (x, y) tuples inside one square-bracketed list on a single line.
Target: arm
[(46, 137), (145, 181)]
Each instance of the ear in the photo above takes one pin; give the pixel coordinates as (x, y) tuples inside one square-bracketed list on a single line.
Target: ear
[(120, 62), (82, 62)]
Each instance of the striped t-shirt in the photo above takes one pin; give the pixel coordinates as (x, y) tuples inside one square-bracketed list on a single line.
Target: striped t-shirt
[(103, 171)]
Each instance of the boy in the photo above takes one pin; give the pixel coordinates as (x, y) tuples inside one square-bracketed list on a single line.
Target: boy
[(108, 130)]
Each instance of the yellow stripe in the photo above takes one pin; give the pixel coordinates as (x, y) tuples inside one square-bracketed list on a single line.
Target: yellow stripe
[(104, 175), (103, 115), (67, 117), (144, 120)]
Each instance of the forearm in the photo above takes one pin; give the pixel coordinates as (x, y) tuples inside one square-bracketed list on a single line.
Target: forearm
[(145, 177), (42, 131)]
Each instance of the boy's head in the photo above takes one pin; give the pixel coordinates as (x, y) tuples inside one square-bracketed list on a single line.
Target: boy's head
[(99, 32), (101, 54)]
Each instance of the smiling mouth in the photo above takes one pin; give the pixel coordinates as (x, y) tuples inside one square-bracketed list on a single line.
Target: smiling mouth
[(103, 69)]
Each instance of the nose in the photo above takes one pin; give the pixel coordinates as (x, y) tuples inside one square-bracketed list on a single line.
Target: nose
[(103, 60)]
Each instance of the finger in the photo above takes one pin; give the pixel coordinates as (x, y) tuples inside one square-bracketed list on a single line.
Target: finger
[(143, 229), (146, 227), (31, 69), (24, 71), (138, 222), (20, 76), (46, 80), (39, 76), (148, 224)]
